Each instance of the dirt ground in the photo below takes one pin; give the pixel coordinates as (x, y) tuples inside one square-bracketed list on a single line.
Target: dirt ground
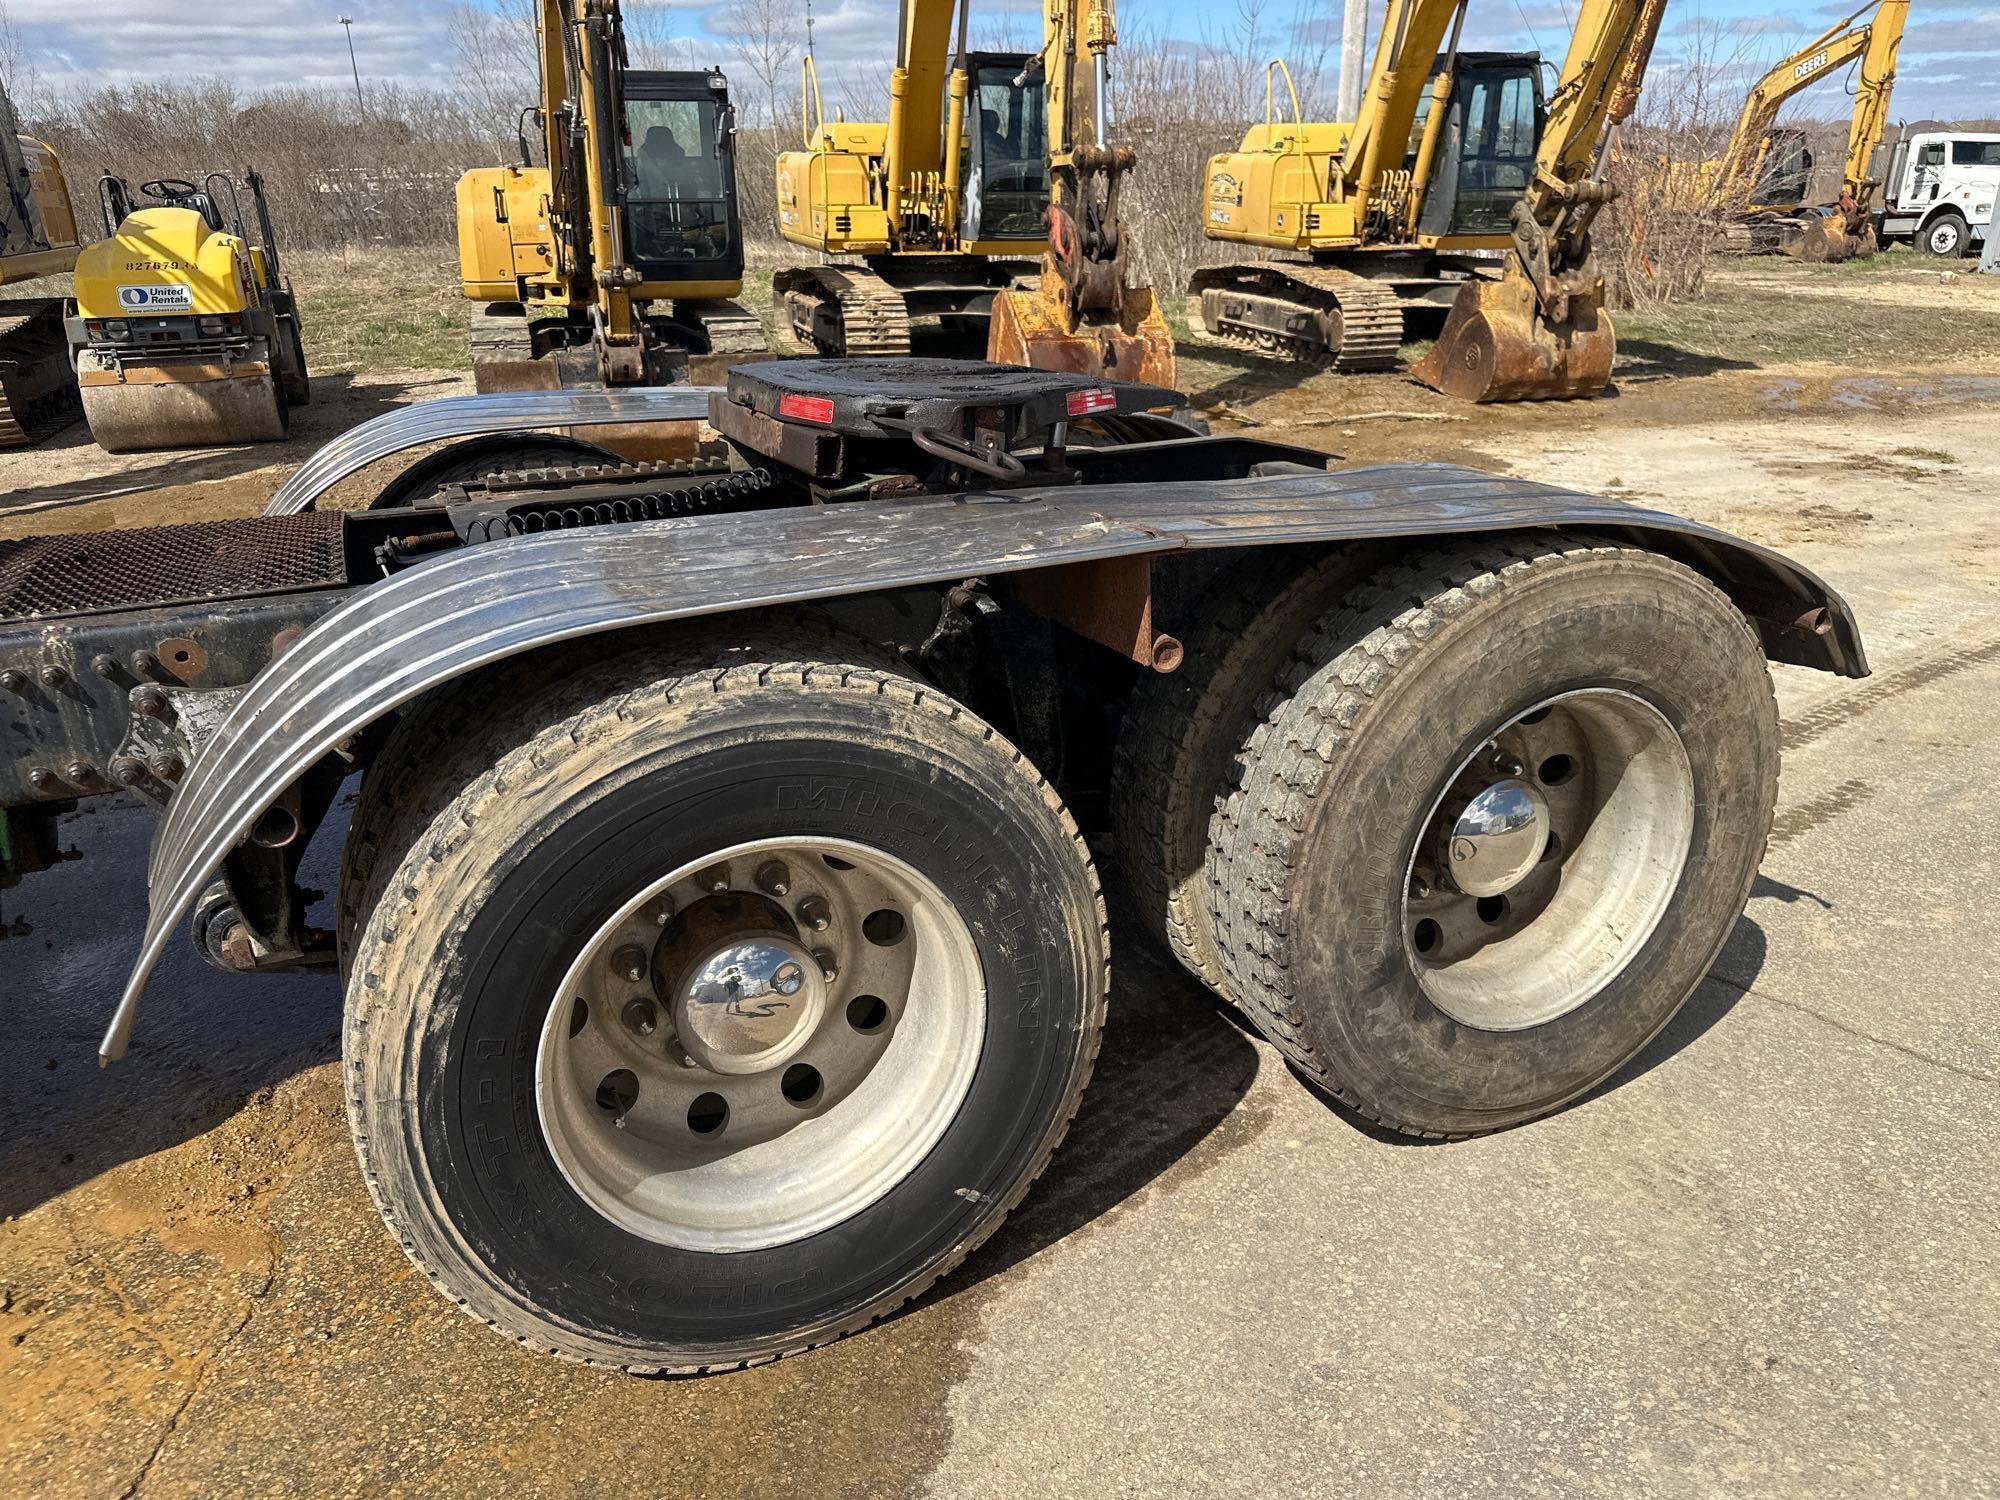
[(1760, 1262)]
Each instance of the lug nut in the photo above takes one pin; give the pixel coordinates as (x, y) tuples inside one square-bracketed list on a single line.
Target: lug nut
[(128, 770), (13, 681), (630, 963), (166, 765), (642, 1017), (814, 912), (80, 771), (1505, 764), (829, 966), (663, 910), (42, 779), (773, 878), (53, 676), (715, 879), (152, 703)]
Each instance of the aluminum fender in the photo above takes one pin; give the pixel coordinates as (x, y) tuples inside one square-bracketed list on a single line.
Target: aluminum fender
[(467, 416), (399, 638)]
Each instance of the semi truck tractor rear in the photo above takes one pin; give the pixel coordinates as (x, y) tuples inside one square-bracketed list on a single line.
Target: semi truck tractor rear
[(721, 915)]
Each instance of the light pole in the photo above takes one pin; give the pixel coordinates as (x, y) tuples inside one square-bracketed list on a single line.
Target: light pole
[(348, 22)]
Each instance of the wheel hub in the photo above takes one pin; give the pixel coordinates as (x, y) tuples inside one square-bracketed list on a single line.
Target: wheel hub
[(760, 1043), (1498, 839), (748, 1004)]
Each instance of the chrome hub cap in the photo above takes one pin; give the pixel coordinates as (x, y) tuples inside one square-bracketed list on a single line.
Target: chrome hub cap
[(749, 1004), (1498, 839), (761, 1044), (1549, 860)]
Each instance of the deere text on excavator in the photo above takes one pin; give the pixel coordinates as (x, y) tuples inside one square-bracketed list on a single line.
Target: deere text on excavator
[(615, 261)]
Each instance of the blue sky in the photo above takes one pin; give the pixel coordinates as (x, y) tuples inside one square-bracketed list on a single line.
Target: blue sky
[(1948, 66)]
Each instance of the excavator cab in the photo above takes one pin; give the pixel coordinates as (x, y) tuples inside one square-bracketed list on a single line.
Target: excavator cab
[(1006, 171), (678, 152), (1786, 171), (1486, 152)]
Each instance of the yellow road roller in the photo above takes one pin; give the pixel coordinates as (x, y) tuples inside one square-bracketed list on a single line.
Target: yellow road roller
[(184, 332)]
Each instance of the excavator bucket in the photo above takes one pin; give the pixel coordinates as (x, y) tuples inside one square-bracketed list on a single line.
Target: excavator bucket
[(1496, 346), (1029, 328), (181, 406)]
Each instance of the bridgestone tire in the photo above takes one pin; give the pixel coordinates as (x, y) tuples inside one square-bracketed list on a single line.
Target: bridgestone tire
[(1182, 731), (1379, 707), (543, 820)]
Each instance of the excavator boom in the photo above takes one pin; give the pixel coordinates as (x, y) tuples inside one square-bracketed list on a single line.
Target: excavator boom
[(1771, 220), (1540, 331)]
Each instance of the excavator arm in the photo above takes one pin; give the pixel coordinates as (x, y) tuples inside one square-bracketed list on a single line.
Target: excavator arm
[(1743, 158), (1871, 117), (1084, 316), (1540, 331)]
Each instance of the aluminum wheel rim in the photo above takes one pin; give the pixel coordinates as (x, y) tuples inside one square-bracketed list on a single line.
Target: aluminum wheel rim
[(1609, 780), (890, 1021)]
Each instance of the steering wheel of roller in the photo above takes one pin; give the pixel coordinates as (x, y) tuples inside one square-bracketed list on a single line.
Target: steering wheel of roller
[(169, 189)]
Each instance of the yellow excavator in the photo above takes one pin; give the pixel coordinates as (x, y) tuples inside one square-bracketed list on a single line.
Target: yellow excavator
[(1760, 180), (184, 331), (1456, 158), (989, 195), (615, 262), (1374, 239), (38, 237), (1539, 330)]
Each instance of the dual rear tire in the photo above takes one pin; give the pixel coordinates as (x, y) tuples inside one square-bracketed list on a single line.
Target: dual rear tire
[(708, 1002), (1493, 816)]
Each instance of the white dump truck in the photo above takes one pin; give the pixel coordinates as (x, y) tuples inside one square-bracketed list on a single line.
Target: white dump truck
[(1938, 191)]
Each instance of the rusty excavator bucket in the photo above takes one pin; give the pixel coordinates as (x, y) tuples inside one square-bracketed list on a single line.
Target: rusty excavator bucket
[(1032, 327), (1498, 345), (1080, 315)]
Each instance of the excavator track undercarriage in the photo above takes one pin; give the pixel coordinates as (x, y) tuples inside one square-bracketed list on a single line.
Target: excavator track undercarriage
[(1314, 314), (38, 393)]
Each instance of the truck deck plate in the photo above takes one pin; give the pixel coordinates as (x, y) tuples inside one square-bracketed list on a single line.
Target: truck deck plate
[(92, 572)]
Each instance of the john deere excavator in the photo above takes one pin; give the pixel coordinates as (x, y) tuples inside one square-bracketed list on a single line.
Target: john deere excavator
[(615, 261), (184, 330), (1760, 181), (940, 210), (1453, 153), (38, 237)]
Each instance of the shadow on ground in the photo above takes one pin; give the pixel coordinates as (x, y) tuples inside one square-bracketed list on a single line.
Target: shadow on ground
[(1642, 360), (206, 1040)]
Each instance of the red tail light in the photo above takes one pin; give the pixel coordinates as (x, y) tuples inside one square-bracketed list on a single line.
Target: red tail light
[(806, 409), (1083, 403)]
